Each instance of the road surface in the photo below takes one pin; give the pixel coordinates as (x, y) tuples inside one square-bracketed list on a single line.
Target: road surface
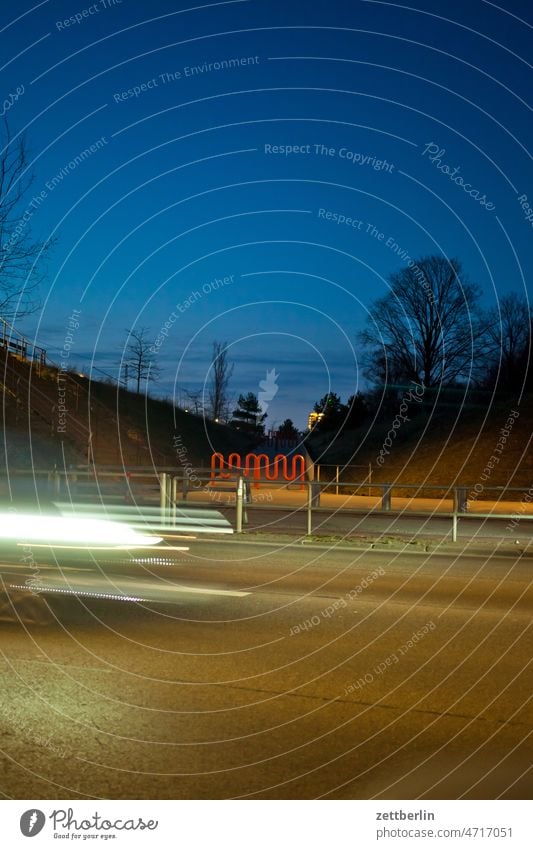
[(268, 671)]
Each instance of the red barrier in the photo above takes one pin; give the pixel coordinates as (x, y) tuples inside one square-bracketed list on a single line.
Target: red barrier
[(255, 463)]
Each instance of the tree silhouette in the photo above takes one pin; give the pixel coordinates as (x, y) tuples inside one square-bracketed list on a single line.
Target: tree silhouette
[(509, 331), (220, 378), (428, 329), (248, 416), (138, 359), (333, 412), (21, 257), (287, 430)]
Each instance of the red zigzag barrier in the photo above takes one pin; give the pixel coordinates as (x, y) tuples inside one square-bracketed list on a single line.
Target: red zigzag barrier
[(257, 464)]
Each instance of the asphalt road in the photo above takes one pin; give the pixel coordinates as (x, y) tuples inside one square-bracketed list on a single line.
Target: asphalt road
[(260, 671)]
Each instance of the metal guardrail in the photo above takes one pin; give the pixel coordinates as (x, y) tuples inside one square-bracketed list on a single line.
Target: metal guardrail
[(171, 487), (242, 488), (314, 488), (322, 468), (13, 341), (331, 474)]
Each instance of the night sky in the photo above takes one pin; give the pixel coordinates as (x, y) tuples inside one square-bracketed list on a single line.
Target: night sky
[(256, 169)]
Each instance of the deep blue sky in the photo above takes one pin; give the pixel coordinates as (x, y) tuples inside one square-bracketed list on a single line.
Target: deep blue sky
[(181, 191)]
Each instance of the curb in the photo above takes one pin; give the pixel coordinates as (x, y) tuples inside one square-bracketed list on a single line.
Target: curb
[(397, 547)]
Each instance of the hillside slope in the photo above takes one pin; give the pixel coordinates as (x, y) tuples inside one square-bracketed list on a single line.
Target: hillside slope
[(440, 444), (50, 417)]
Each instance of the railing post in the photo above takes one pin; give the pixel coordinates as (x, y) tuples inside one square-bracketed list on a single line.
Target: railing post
[(127, 488), (454, 526), (313, 500), (386, 497), (56, 482), (239, 505), (163, 497), (184, 486), (315, 493), (460, 501), (73, 484), (336, 480), (246, 499), (173, 499), (90, 454)]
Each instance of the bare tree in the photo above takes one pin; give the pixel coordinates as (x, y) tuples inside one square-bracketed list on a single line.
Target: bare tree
[(21, 257), (195, 397), (220, 378), (428, 328), (138, 359), (510, 335)]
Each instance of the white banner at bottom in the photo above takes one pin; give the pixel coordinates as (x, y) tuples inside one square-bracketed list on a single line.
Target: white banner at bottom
[(266, 824)]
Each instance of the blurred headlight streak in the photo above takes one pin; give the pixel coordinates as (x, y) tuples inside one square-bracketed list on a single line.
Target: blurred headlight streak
[(183, 520), (29, 527)]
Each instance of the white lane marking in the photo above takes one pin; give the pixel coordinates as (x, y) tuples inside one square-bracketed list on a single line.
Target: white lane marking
[(134, 586), (234, 593), (200, 590), (130, 586)]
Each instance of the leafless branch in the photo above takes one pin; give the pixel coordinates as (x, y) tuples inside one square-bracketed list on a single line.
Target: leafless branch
[(22, 258)]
